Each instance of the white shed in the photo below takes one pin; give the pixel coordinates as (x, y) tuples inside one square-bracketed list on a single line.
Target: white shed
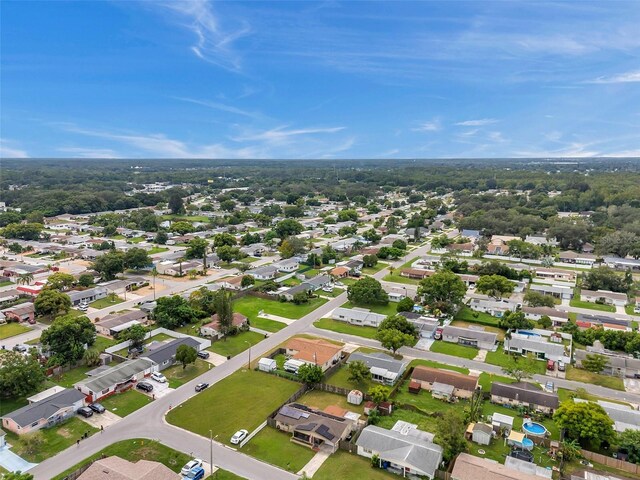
[(355, 397), (267, 364)]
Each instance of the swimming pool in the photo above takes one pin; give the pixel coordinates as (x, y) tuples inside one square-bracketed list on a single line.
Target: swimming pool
[(527, 443), (528, 334), (534, 428)]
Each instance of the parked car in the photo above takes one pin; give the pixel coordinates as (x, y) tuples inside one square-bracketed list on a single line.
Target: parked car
[(201, 386), (20, 348), (551, 365), (136, 350), (83, 307), (158, 377), (86, 412), (196, 462), (239, 436), (96, 407), (204, 354), (561, 366), (195, 474), (144, 386)]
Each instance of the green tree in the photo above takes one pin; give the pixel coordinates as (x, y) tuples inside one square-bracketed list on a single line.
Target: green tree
[(520, 367), (358, 372), (630, 440), (300, 297), (398, 322), (292, 246), (136, 258), (442, 291), (20, 374), (228, 205), (405, 305), (182, 227), (495, 286), (51, 302), (197, 248), (108, 265), (161, 237), (545, 321), (594, 362), (310, 374), (399, 244), (586, 422), (135, 333), (604, 278), (85, 280), (67, 338), (224, 310), (393, 339), (227, 253), (514, 321), (173, 311), (60, 281), (17, 476), (91, 357), (25, 279), (288, 227), (222, 239), (186, 354), (176, 205), (370, 261), (449, 434), (328, 254), (23, 231), (367, 291), (537, 299), (247, 281), (379, 394)]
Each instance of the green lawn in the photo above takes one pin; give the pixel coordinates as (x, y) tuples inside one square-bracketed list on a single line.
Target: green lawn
[(467, 315), (139, 449), (251, 306), (426, 423), (576, 302), (154, 250), (178, 376), (424, 400), (106, 302), (74, 375), (103, 343), (388, 309), (6, 283), (123, 404), (454, 349), (585, 376), (432, 364), (320, 400), (486, 379), (397, 278), (630, 310), (341, 379), (56, 439), (236, 344), (344, 327), (242, 400), (224, 475), (276, 448), (501, 359), (343, 465), (268, 325), (10, 404), (11, 329), (375, 269)]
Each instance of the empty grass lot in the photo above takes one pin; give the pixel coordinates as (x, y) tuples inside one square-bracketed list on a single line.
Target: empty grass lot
[(341, 379), (178, 376), (12, 329), (454, 349), (268, 325), (345, 465), (56, 439), (123, 404), (276, 448), (106, 302), (388, 309), (467, 315), (242, 400), (250, 307), (502, 359), (346, 328), (580, 375), (320, 400), (74, 375), (236, 344), (424, 400)]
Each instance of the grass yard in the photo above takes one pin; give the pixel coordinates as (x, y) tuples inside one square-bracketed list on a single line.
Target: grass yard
[(242, 400), (486, 379), (178, 376), (502, 359), (578, 303), (629, 309), (74, 375), (397, 278), (341, 379), (160, 337), (138, 449), (464, 324), (320, 400), (56, 439), (345, 465), (442, 366), (236, 344), (425, 422), (454, 349), (424, 400), (375, 269), (346, 328), (276, 448), (10, 404), (123, 404), (105, 302), (224, 475), (581, 375), (467, 315), (103, 343), (154, 250), (251, 306), (6, 283), (11, 329), (388, 309), (268, 325)]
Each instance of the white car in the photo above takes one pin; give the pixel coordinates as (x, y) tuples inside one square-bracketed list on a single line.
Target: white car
[(196, 462), (239, 436), (158, 377)]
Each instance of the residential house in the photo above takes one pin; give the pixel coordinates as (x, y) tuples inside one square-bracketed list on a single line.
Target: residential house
[(558, 291), (23, 312), (312, 428), (624, 417), (470, 337), (358, 316), (339, 272), (541, 241), (604, 296), (524, 394), (115, 323), (315, 351), (556, 274), (587, 320), (212, 329), (497, 246), (557, 317), (288, 265), (468, 467), (120, 287), (87, 296), (266, 272), (116, 468), (463, 385), (428, 261), (416, 273), (622, 263), (116, 379), (577, 258), (497, 308), (383, 368), (318, 282), (10, 295), (354, 266), (46, 412), (544, 347), (461, 248), (408, 452), (164, 355), (618, 365)]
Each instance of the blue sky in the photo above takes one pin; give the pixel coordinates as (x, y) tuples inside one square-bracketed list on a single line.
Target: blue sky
[(319, 80)]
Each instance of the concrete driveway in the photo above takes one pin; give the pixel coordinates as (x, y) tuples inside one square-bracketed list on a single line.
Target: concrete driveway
[(98, 420), (159, 389), (632, 385), (12, 462)]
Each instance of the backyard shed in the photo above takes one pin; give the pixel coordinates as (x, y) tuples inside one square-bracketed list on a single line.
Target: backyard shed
[(267, 364)]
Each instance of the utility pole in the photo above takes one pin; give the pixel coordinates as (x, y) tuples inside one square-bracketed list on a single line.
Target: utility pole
[(211, 450)]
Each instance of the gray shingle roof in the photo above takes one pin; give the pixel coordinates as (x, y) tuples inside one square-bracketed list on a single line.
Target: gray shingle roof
[(165, 352), (116, 375), (379, 360), (45, 408), (526, 393)]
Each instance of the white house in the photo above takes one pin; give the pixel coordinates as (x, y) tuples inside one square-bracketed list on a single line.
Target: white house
[(358, 316)]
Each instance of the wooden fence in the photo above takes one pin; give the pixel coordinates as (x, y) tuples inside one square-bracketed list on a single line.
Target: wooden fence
[(631, 468)]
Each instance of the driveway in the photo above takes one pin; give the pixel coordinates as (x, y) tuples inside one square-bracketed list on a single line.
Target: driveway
[(98, 420), (424, 344), (12, 462), (159, 389), (632, 385)]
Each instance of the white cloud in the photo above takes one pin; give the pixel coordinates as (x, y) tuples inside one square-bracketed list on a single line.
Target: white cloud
[(623, 154), (432, 126), (221, 106), (8, 150), (214, 44), (574, 150), (628, 77), (88, 152), (281, 134), (477, 123)]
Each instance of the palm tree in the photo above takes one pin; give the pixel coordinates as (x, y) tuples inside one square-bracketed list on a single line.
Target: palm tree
[(154, 274), (25, 279)]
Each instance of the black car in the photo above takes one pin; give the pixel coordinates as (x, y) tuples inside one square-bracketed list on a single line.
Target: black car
[(96, 407), (203, 354), (147, 387), (201, 386), (85, 412), (136, 350)]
